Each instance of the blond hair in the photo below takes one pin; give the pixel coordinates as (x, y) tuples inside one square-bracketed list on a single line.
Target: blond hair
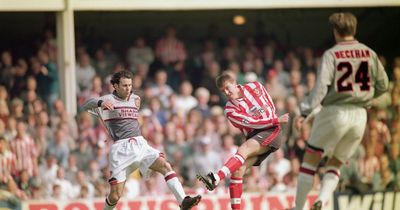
[(344, 23), (224, 77)]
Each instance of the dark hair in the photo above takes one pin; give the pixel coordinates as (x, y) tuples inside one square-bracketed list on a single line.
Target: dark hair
[(121, 74)]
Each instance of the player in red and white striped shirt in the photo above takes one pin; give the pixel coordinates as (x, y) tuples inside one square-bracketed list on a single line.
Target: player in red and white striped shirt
[(251, 110)]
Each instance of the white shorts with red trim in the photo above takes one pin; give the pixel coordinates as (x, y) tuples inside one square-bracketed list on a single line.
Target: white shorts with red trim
[(127, 155), (338, 130)]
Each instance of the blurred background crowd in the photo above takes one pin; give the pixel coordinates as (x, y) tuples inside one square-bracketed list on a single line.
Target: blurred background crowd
[(46, 152)]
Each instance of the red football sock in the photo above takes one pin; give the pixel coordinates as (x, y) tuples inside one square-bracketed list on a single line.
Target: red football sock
[(235, 191), (231, 166)]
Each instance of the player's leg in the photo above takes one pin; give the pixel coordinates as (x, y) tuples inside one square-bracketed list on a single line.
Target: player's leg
[(236, 182), (329, 183), (162, 166), (116, 190), (327, 130), (249, 148), (305, 180), (344, 149), (118, 173), (258, 142)]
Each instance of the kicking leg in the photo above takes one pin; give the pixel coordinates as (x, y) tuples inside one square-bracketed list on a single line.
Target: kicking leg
[(249, 148), (186, 202)]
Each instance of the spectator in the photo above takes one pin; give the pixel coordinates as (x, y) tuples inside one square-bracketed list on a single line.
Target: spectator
[(160, 88), (61, 117), (86, 130), (20, 74), (205, 159), (208, 81), (384, 179), (71, 169), (203, 97), (139, 54), (65, 187), (47, 174), (6, 70), (228, 147), (7, 161), (17, 109), (59, 148), (83, 154), (185, 101), (48, 76), (169, 49), (102, 66), (24, 149), (84, 73), (81, 182)]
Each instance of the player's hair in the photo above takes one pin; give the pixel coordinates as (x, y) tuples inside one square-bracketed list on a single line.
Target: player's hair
[(224, 77), (121, 74), (344, 23)]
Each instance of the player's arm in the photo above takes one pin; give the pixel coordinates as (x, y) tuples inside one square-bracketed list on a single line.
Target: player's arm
[(381, 79), (246, 120), (323, 80), (92, 104)]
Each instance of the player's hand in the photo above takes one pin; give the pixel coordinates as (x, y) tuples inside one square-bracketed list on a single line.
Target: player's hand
[(283, 119), (298, 122), (108, 105)]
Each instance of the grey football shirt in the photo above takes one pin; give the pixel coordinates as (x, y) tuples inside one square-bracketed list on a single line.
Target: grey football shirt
[(122, 122), (350, 73)]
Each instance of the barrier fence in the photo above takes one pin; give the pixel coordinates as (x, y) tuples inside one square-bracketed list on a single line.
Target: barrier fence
[(250, 201), (256, 201)]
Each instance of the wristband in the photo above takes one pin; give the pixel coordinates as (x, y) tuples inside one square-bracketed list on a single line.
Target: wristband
[(99, 103)]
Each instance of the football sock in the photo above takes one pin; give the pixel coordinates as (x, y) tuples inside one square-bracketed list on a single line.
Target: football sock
[(329, 184), (305, 182), (175, 186), (235, 192), (230, 166)]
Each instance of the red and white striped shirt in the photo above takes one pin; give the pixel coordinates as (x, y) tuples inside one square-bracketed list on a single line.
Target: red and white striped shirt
[(255, 110), (7, 163), (25, 152), (170, 50)]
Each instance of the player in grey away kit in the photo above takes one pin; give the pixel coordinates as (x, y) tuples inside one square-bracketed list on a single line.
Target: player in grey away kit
[(130, 151), (350, 76)]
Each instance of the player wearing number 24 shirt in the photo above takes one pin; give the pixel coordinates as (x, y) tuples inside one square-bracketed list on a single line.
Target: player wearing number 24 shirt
[(350, 76)]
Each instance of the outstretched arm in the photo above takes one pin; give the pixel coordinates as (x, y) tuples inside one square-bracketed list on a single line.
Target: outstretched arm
[(92, 103)]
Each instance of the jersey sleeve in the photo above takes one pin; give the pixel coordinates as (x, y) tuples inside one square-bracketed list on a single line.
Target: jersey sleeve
[(136, 100), (244, 119), (324, 79), (381, 79), (92, 103)]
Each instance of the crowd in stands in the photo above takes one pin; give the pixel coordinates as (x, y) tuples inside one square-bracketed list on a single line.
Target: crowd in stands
[(45, 152)]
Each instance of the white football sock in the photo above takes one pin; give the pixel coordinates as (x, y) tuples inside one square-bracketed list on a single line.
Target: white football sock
[(305, 183), (329, 184), (175, 186)]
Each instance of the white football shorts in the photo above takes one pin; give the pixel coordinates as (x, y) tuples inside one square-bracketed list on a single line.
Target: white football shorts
[(338, 130), (127, 155)]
